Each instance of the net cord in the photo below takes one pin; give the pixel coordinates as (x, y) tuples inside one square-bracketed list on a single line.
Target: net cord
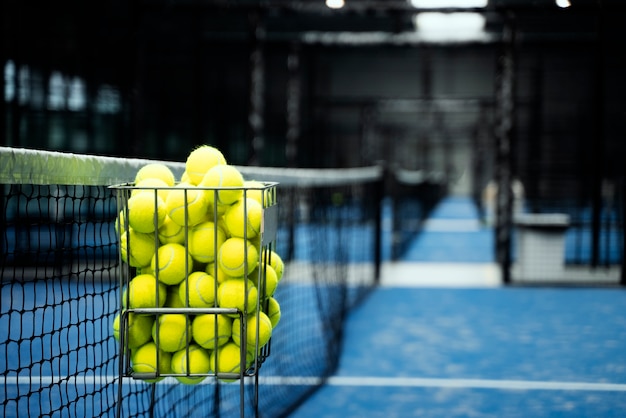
[(28, 166)]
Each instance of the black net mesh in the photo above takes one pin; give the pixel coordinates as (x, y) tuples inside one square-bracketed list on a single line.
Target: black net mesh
[(60, 294)]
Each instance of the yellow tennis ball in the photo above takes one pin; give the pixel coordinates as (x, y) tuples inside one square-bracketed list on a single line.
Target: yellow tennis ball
[(211, 330), (264, 330), (171, 332), (171, 232), (139, 328), (142, 208), (237, 257), (174, 263), (232, 294), (264, 275), (200, 288), (155, 170), (254, 190), (227, 177), (205, 239), (150, 185), (186, 205), (214, 270), (275, 261), (142, 248), (145, 291), (243, 218), (273, 311), (144, 361), (200, 160), (190, 361), (227, 359)]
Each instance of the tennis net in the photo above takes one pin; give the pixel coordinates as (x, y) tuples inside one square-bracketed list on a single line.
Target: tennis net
[(60, 289)]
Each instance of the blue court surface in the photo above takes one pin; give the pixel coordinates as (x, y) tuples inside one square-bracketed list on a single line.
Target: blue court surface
[(442, 340), (476, 351)]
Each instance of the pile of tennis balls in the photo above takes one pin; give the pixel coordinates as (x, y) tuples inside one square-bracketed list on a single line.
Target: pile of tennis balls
[(207, 256)]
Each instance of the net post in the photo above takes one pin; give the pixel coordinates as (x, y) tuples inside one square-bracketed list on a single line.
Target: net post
[(379, 187)]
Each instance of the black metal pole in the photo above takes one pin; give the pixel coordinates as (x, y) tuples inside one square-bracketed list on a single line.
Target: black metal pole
[(294, 94), (598, 147), (256, 115), (505, 112)]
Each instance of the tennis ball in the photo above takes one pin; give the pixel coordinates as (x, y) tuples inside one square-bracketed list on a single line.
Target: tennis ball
[(211, 330), (227, 359), (145, 291), (214, 270), (223, 176), (142, 248), (264, 330), (237, 257), (151, 184), (200, 160), (254, 190), (271, 279), (243, 218), (232, 294), (138, 329), (273, 311), (155, 170), (275, 261), (186, 205), (142, 208), (171, 232), (205, 240), (201, 288), (174, 263), (171, 332), (144, 360), (189, 361)]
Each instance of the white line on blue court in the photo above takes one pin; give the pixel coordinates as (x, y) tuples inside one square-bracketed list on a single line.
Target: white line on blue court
[(363, 381)]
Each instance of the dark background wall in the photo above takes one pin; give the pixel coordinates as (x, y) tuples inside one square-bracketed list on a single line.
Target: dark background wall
[(160, 77)]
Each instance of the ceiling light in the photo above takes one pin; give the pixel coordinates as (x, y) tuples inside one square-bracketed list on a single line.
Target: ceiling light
[(459, 26), (563, 3), (335, 4), (442, 4)]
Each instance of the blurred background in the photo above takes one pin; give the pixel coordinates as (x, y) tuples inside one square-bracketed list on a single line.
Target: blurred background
[(479, 98)]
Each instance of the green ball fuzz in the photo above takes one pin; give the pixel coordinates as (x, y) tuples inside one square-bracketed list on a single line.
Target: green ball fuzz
[(190, 361), (199, 290), (237, 257), (273, 311), (232, 294), (146, 212), (174, 263), (138, 329), (211, 330), (171, 332), (142, 248), (144, 362), (204, 241), (145, 291), (227, 359), (264, 331)]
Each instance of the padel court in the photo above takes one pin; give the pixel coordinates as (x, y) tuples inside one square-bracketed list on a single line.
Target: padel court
[(464, 346), (438, 337)]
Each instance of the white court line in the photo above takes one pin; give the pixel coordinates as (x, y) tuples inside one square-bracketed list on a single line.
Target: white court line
[(362, 381)]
